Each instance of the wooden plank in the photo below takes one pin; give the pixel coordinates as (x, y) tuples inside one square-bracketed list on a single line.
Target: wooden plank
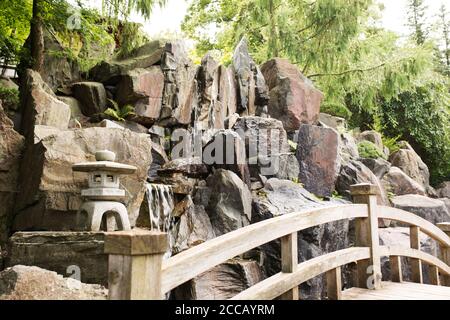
[(190, 263), (276, 285), (289, 262), (334, 284), (445, 256), (416, 254), (411, 219), (396, 269), (416, 264), (434, 275), (369, 271)]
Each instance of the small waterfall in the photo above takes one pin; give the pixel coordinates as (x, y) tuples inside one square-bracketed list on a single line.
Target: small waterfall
[(160, 206)]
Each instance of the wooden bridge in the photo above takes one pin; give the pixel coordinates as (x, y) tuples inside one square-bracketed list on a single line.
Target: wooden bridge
[(137, 269)]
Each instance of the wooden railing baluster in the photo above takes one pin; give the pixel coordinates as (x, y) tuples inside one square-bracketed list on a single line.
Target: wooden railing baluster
[(445, 252), (369, 271), (289, 262), (334, 284), (416, 264), (396, 269)]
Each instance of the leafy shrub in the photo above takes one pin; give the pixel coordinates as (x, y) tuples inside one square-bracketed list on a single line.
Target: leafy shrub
[(119, 113), (10, 98), (369, 150)]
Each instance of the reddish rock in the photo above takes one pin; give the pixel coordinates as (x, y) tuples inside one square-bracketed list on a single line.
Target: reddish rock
[(293, 98), (142, 88), (318, 156)]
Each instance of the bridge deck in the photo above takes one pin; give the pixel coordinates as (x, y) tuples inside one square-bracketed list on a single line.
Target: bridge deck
[(399, 291)]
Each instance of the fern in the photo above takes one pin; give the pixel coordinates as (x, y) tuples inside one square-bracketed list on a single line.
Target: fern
[(119, 113)]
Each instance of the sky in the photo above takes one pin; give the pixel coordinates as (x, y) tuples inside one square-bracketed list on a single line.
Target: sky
[(169, 18)]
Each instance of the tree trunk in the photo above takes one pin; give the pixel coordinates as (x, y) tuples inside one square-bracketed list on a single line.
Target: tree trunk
[(37, 38)]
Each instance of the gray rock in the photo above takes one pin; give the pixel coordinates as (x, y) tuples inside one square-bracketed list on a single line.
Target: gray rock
[(193, 228), (265, 142), (50, 193), (355, 172), (11, 147), (397, 182), (109, 72), (222, 282), (41, 106), (317, 155), (180, 88), (444, 190), (60, 252), (446, 202), (230, 204), (432, 210), (411, 164), (348, 149), (293, 98), (226, 150), (372, 136), (378, 166), (289, 167), (33, 283), (337, 123), (92, 96), (142, 88), (253, 93)]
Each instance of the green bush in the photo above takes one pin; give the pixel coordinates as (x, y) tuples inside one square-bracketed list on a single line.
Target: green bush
[(10, 98), (369, 150)]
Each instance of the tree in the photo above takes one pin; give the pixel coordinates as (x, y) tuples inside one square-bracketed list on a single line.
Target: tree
[(416, 20), (444, 26), (37, 37)]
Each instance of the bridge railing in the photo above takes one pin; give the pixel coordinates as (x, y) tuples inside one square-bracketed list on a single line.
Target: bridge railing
[(137, 269)]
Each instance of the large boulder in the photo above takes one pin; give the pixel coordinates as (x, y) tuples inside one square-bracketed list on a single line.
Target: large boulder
[(293, 98), (110, 72), (11, 146), (348, 149), (180, 88), (397, 182), (265, 142), (432, 210), (318, 156), (49, 194), (226, 150), (221, 282), (444, 189), (142, 88), (40, 106), (378, 166), (253, 95), (279, 197), (193, 227), (411, 164), (33, 283), (337, 123), (230, 203), (92, 96), (60, 252), (355, 172)]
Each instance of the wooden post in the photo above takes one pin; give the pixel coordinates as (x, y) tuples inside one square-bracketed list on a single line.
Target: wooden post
[(416, 264), (445, 252), (434, 276), (289, 262), (334, 284), (369, 271), (396, 269), (134, 265)]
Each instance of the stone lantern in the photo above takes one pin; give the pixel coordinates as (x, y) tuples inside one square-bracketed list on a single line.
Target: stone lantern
[(104, 195)]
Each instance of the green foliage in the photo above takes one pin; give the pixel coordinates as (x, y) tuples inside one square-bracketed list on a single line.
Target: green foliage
[(131, 37), (9, 98), (121, 9), (422, 117), (369, 150), (119, 113), (416, 20)]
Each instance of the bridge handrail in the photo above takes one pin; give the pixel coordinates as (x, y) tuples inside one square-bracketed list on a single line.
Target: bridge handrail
[(193, 262), (139, 253)]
